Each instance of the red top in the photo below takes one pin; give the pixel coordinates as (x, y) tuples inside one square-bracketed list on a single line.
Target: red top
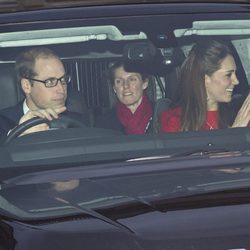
[(171, 120), (137, 122)]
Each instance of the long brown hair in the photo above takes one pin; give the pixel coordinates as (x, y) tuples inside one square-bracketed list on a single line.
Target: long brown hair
[(204, 59)]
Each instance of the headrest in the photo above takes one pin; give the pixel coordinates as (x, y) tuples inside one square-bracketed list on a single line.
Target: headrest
[(75, 103), (10, 90)]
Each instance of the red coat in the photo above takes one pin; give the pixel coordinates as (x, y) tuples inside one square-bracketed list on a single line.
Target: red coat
[(171, 120)]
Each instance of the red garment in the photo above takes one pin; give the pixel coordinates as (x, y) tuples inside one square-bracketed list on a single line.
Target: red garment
[(171, 120), (211, 121), (137, 122)]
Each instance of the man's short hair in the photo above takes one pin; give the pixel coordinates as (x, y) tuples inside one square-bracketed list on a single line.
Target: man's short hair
[(25, 62)]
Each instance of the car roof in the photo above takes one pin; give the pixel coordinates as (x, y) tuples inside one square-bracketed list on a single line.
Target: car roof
[(21, 5)]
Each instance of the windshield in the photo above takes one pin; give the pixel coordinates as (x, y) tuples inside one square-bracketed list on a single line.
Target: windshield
[(96, 191), (121, 88)]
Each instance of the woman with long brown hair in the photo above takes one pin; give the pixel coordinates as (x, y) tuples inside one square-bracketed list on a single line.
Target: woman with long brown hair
[(208, 78)]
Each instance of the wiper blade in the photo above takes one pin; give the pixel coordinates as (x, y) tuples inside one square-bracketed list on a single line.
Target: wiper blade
[(213, 153), (222, 185), (210, 154), (94, 214)]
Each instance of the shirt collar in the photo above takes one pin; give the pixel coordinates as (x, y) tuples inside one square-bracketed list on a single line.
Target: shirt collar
[(25, 107)]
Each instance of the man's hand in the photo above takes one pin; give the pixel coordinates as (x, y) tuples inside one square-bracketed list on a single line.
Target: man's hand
[(61, 186), (48, 113)]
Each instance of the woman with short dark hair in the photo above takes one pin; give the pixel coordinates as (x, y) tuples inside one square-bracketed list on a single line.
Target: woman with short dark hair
[(133, 111)]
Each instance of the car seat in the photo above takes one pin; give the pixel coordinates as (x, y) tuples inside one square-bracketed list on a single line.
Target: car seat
[(10, 91), (75, 103), (161, 105)]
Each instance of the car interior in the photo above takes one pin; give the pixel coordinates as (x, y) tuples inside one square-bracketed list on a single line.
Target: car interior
[(155, 44), (88, 48), (90, 92)]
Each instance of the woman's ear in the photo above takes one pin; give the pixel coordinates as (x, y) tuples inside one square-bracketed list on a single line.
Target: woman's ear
[(114, 90), (207, 80), (26, 86), (145, 84)]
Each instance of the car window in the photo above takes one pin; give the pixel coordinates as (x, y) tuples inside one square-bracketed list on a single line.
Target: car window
[(127, 106)]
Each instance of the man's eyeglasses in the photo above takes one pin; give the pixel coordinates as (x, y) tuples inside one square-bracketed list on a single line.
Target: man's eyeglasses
[(52, 82)]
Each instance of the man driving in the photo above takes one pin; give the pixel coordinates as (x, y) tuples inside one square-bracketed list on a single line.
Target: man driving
[(43, 80)]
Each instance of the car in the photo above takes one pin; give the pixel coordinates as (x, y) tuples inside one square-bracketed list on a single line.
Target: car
[(87, 187)]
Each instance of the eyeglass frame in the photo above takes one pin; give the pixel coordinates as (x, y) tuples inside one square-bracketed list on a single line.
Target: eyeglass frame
[(51, 78)]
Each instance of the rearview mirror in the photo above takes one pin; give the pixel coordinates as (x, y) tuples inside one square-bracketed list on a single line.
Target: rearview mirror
[(139, 51)]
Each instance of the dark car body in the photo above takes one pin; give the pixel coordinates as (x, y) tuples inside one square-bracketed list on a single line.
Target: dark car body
[(138, 206), (188, 191)]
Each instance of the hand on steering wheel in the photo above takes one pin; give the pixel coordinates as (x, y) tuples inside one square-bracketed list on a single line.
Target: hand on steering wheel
[(61, 122)]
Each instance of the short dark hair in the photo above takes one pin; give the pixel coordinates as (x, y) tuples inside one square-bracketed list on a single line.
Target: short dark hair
[(129, 67), (25, 62)]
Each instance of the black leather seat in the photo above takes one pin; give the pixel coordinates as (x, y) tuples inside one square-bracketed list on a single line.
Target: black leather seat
[(161, 105), (75, 103), (10, 91)]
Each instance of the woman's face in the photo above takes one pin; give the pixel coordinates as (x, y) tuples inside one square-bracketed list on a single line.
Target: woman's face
[(129, 87), (221, 83)]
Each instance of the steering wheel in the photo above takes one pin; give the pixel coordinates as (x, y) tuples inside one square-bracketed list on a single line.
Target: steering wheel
[(61, 122)]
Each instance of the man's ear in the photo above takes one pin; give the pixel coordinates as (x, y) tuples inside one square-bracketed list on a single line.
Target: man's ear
[(145, 84), (26, 86)]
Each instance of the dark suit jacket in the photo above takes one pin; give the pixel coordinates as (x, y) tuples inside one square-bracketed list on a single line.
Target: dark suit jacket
[(13, 113), (5, 125), (9, 118)]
